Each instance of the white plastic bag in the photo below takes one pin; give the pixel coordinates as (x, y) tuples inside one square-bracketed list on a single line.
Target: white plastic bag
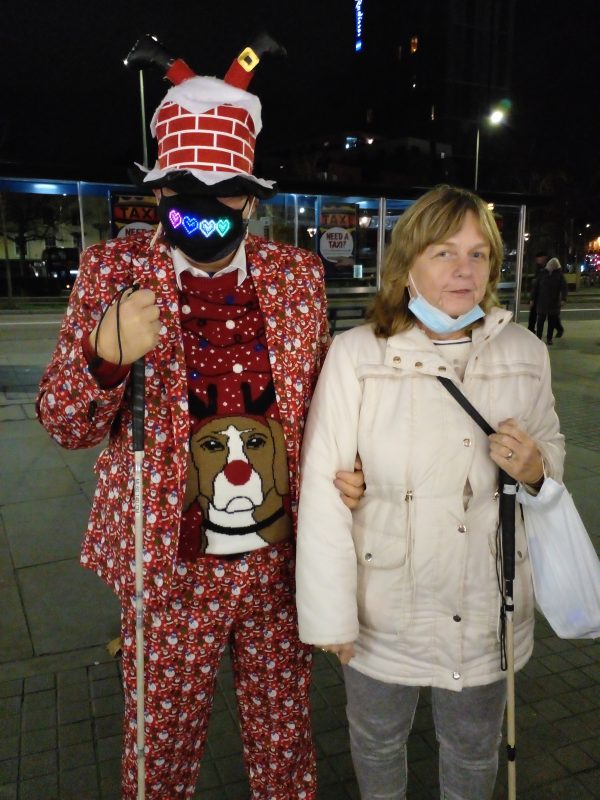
[(564, 563)]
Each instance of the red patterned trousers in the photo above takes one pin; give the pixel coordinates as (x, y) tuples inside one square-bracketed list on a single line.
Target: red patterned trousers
[(248, 604)]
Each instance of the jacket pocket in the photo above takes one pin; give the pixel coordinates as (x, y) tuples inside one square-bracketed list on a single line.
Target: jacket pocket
[(382, 533)]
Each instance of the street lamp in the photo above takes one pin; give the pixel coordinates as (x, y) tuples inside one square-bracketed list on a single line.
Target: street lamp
[(496, 116)]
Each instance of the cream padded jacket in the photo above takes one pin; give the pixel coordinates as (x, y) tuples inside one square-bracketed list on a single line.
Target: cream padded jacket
[(410, 576)]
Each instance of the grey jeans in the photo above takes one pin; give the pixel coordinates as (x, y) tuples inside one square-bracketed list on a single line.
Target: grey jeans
[(468, 726)]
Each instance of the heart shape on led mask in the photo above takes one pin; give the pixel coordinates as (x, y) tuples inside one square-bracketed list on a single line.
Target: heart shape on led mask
[(223, 226), (207, 226), (190, 224), (175, 218)]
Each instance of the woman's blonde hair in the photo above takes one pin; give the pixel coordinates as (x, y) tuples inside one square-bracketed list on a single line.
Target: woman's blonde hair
[(433, 218)]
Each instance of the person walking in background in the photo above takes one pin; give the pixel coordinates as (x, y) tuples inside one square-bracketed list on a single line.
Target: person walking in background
[(541, 260), (551, 294), (404, 589)]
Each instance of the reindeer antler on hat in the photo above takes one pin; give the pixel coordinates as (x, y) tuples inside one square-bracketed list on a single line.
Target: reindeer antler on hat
[(206, 128)]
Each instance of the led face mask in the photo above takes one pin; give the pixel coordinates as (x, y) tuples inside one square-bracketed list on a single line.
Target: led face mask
[(203, 228), (437, 320)]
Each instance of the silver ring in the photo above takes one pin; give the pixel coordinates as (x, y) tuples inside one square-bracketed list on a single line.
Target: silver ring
[(510, 455)]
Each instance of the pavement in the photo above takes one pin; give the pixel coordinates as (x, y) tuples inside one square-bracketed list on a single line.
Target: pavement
[(61, 699)]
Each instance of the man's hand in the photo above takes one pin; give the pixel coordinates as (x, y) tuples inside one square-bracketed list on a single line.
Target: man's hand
[(351, 485), (343, 651), (139, 327)]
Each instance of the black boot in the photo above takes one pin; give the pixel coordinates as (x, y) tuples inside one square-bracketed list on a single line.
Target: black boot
[(148, 52)]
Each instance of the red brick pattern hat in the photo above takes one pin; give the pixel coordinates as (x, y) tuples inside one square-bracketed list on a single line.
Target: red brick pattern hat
[(206, 130)]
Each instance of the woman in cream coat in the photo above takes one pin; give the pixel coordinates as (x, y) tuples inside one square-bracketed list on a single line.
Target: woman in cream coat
[(405, 589)]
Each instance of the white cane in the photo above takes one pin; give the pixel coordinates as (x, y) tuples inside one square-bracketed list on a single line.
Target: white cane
[(137, 403), (510, 703), (507, 515)]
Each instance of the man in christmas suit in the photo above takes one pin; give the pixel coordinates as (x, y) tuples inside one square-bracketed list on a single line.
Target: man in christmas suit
[(233, 329)]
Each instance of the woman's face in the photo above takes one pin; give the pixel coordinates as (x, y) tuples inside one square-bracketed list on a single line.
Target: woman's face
[(453, 275)]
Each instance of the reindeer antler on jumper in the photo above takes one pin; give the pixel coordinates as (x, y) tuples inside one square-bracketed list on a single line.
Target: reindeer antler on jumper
[(198, 408)]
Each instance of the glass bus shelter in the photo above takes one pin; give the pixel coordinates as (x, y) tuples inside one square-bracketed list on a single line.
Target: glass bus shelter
[(45, 224)]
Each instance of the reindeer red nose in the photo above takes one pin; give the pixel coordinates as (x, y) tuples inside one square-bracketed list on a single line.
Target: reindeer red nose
[(238, 472)]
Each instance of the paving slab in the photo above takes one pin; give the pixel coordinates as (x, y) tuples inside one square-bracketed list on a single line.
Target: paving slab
[(9, 748), (27, 429), (591, 780), (46, 787), (76, 784), (20, 454), (19, 487), (586, 493), (29, 409), (67, 607), (38, 741), (38, 764), (77, 755), (9, 413), (15, 640), (80, 462), (63, 526)]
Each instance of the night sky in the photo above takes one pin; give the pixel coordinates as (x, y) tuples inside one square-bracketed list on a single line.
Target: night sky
[(69, 104), (556, 81)]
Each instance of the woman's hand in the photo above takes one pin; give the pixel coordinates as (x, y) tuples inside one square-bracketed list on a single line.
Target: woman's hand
[(516, 453), (343, 651), (351, 485)]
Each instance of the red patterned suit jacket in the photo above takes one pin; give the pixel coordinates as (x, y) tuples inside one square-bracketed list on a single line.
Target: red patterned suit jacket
[(78, 413)]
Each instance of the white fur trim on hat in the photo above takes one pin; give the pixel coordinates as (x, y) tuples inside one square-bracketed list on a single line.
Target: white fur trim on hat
[(198, 95)]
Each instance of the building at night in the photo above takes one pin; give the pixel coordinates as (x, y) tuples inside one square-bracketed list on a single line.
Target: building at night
[(424, 76)]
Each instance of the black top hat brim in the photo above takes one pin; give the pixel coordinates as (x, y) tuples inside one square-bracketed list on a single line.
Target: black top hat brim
[(184, 182)]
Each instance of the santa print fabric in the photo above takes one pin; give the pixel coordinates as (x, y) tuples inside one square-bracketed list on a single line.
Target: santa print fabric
[(237, 494), (249, 603), (194, 609)]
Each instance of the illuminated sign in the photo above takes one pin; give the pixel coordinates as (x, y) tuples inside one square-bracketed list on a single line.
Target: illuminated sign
[(358, 13), (132, 213), (337, 243), (337, 239), (192, 224)]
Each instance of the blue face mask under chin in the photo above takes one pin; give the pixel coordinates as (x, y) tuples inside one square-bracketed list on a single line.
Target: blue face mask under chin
[(437, 320)]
